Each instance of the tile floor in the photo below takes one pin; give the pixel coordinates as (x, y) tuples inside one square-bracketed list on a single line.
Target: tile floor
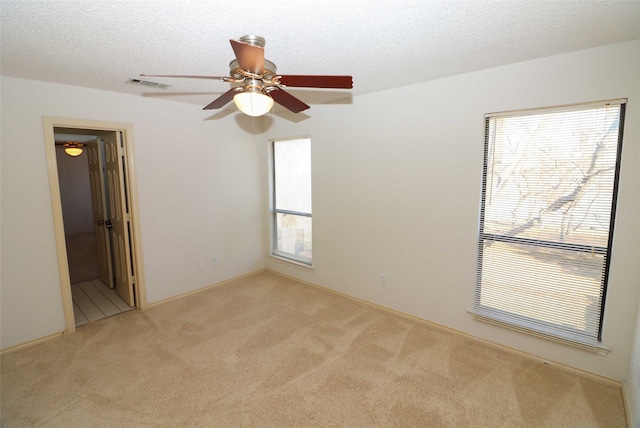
[(93, 300)]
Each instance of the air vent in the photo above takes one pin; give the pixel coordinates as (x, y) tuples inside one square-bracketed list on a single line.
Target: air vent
[(147, 83)]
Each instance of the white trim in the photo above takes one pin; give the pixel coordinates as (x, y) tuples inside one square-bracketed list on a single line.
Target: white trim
[(58, 225), (205, 288), (300, 137), (291, 261), (49, 123), (627, 404), (31, 343), (558, 108), (598, 348)]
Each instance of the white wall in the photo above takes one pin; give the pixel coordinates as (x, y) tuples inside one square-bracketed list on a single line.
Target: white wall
[(75, 192), (396, 191), (200, 185)]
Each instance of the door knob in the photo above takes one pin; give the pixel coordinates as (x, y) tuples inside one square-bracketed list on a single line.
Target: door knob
[(108, 224), (100, 222)]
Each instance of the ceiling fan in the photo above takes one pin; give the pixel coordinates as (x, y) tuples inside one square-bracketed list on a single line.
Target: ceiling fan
[(259, 84)]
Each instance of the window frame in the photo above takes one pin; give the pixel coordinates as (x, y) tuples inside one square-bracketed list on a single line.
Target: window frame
[(506, 319), (274, 211)]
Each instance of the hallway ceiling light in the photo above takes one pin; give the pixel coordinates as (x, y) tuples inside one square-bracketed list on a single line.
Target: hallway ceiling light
[(73, 149)]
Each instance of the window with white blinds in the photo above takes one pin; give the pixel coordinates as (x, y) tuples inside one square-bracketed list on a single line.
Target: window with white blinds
[(546, 223), (291, 199)]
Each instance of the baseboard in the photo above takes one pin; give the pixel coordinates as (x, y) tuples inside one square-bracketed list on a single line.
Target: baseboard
[(148, 306), (627, 405), (590, 375), (199, 290), (31, 343)]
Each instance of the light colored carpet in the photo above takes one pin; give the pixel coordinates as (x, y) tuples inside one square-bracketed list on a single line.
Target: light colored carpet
[(268, 351)]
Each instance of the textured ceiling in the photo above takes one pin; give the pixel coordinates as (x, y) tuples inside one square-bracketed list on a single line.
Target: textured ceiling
[(383, 44)]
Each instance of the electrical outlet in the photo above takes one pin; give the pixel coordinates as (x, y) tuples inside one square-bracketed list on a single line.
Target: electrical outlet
[(383, 279), (214, 261)]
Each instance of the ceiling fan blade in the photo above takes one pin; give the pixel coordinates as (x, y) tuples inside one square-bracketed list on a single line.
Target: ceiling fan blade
[(223, 78), (308, 81), (287, 100), (222, 99), (250, 57)]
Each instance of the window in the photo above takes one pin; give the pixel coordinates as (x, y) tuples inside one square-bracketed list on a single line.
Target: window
[(546, 223), (291, 199)]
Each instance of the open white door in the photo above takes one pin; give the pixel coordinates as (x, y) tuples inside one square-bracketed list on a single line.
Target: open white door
[(100, 210), (119, 211)]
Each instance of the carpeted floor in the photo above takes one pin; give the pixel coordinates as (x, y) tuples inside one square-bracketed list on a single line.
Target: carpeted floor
[(268, 351)]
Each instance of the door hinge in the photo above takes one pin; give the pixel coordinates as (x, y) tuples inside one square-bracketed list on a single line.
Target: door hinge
[(128, 217), (133, 279)]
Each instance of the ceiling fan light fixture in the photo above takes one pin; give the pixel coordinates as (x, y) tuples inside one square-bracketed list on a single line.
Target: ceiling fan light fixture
[(261, 85), (73, 149), (253, 102)]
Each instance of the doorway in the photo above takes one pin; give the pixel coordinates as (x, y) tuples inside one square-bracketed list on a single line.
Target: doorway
[(84, 195), (107, 177)]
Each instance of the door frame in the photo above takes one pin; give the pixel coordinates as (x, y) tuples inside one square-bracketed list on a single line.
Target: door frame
[(49, 124)]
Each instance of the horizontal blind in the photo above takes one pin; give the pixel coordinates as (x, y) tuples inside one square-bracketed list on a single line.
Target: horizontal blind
[(549, 181), (292, 175), (292, 215)]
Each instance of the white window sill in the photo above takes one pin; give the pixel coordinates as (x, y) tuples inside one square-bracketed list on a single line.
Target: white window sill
[(287, 261), (597, 348)]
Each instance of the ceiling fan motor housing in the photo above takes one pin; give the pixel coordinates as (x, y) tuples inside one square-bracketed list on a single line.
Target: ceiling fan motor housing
[(250, 39), (269, 68), (253, 40)]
